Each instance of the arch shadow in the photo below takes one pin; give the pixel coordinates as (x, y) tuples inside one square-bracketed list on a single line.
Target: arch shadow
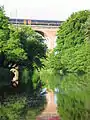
[(40, 32), (46, 39)]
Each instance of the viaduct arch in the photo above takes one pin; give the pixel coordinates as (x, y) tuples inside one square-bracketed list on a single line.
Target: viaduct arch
[(49, 34), (47, 28)]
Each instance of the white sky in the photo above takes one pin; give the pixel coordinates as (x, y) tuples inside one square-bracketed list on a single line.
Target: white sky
[(43, 9)]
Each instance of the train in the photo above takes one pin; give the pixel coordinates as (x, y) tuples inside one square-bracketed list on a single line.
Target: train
[(35, 22)]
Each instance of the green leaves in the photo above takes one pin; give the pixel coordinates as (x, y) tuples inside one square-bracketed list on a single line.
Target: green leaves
[(4, 30), (71, 45), (21, 46), (33, 45)]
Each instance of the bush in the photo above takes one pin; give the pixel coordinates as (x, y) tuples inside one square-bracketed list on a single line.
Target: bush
[(21, 107)]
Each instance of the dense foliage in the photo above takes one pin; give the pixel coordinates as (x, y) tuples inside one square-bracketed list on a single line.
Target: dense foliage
[(72, 51), (21, 107), (23, 47), (68, 67)]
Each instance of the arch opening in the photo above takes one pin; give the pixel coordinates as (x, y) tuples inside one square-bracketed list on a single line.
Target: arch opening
[(46, 40), (40, 32)]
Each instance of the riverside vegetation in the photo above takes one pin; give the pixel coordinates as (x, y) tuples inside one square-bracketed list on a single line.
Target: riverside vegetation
[(66, 68), (23, 47)]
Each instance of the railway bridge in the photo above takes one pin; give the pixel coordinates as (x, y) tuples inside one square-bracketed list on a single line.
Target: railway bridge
[(47, 28)]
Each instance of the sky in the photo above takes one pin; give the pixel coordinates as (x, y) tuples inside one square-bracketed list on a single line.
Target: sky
[(43, 9)]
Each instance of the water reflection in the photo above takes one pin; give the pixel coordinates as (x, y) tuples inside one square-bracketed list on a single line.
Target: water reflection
[(72, 95)]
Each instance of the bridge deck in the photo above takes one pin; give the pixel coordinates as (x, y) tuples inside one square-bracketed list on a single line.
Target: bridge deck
[(35, 22)]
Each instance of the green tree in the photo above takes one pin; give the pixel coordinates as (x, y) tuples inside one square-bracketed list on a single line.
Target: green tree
[(13, 49), (87, 41), (34, 46), (4, 33), (87, 30), (71, 50), (25, 48), (21, 46)]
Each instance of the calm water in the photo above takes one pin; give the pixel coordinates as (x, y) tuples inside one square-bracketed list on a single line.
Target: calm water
[(69, 84), (72, 96)]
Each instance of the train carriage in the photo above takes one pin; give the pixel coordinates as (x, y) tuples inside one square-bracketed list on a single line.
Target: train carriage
[(35, 22)]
